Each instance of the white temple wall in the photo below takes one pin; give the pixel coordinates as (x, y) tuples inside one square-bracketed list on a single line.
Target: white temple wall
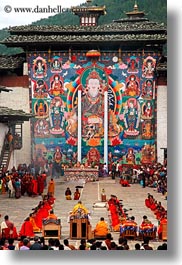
[(161, 121)]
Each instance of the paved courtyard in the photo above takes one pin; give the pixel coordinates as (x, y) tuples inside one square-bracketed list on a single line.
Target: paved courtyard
[(133, 198)]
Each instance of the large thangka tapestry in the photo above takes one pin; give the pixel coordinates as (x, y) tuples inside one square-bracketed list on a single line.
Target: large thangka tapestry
[(130, 84)]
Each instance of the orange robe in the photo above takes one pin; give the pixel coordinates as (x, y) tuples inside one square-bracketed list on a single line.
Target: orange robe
[(101, 229), (51, 187), (52, 216), (35, 227)]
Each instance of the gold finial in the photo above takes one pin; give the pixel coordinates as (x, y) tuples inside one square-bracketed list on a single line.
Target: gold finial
[(135, 6)]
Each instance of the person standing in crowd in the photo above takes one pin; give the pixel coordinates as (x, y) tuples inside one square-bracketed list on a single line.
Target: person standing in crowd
[(117, 170), (113, 170), (51, 187), (9, 138), (105, 170), (17, 187)]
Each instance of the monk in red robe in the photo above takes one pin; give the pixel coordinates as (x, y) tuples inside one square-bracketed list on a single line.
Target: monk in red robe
[(40, 182), (34, 187), (147, 201), (77, 194), (162, 221), (124, 183), (42, 213), (7, 224), (27, 229)]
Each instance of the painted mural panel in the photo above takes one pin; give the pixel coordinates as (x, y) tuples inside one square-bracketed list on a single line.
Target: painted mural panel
[(54, 127), (129, 80), (93, 82), (137, 114)]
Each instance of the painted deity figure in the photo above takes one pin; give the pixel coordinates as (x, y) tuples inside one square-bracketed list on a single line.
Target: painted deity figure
[(132, 86), (41, 128), (93, 106), (40, 89), (57, 155), (41, 108), (147, 110), (56, 115), (133, 65), (131, 117), (148, 154), (56, 86), (56, 65), (147, 129), (148, 67), (93, 156), (39, 68), (130, 157), (147, 89)]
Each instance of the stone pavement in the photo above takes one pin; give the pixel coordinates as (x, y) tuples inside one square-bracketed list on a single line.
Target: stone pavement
[(133, 198)]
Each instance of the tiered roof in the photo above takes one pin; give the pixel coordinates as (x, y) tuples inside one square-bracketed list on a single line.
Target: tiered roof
[(121, 32)]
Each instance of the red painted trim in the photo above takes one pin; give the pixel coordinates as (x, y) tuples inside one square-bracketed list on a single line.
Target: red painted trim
[(14, 81)]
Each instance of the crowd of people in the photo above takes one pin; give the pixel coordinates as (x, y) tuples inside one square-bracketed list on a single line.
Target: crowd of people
[(20, 182), (39, 243)]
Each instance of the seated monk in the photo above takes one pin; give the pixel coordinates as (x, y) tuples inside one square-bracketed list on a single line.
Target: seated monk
[(115, 219), (51, 215), (77, 194), (68, 194), (162, 221), (147, 201), (153, 206), (159, 211), (145, 221), (146, 225), (27, 229), (79, 211), (42, 213), (113, 200), (36, 229), (150, 201), (51, 199), (121, 220), (79, 205), (101, 229), (124, 183), (129, 224)]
